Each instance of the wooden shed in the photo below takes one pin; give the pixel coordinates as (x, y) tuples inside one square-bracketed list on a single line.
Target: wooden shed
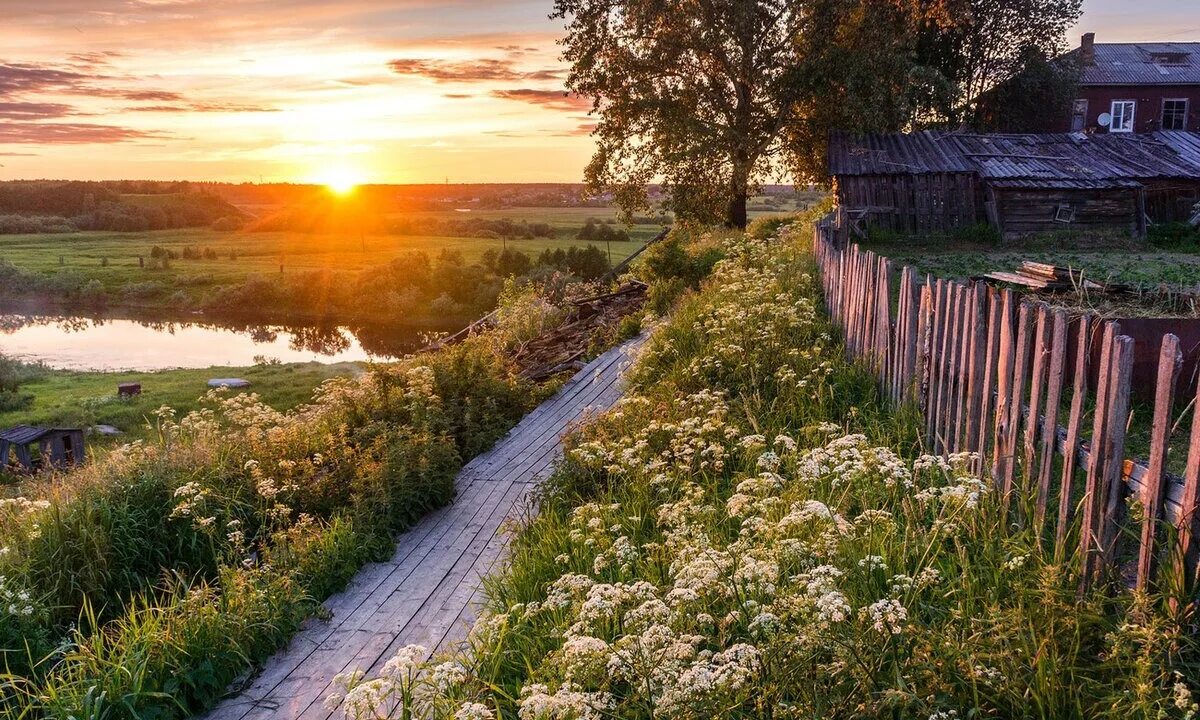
[(36, 447), (912, 184), (1019, 184)]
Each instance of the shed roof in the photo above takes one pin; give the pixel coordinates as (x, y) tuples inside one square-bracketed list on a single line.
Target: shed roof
[(23, 434), (894, 153), (1063, 160), (1185, 144), (1143, 64)]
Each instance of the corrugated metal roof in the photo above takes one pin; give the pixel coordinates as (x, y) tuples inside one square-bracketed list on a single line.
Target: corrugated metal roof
[(23, 434), (1057, 183), (893, 153), (1076, 157), (1138, 64), (1185, 144)]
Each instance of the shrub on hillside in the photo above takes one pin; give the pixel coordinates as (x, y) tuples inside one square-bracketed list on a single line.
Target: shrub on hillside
[(751, 532), (251, 514)]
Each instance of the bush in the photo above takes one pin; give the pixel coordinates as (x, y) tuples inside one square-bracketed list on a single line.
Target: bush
[(261, 511), (1173, 235), (753, 532)]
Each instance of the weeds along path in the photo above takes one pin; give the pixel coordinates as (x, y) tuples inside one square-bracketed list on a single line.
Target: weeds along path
[(428, 592)]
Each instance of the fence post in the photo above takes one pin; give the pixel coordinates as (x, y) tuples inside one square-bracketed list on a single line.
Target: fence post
[(1074, 429), (1187, 530), (1114, 460), (1037, 384), (883, 318), (1093, 495), (937, 333), (921, 367), (975, 373), (1003, 385), (1170, 360), (1016, 401), (986, 418), (1058, 361)]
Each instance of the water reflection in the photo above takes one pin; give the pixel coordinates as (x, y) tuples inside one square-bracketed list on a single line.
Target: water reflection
[(130, 343)]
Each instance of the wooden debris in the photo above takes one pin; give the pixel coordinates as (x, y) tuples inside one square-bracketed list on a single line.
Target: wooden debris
[(564, 348), (1042, 277)]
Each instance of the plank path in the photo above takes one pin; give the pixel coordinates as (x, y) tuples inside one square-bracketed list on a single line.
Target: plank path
[(429, 591)]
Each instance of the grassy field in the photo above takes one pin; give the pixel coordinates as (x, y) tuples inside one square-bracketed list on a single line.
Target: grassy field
[(1146, 267), (81, 399), (112, 257), (1152, 269)]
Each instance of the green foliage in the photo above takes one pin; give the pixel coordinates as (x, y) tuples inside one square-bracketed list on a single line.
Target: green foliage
[(1035, 97), (755, 529), (1180, 236), (701, 110), (251, 514), (685, 254)]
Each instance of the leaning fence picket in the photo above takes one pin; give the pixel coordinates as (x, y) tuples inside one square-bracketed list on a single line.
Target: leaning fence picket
[(1037, 381), (1114, 461), (1054, 384), (1170, 360)]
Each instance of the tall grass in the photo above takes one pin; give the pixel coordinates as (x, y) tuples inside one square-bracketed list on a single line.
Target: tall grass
[(142, 585), (751, 532)]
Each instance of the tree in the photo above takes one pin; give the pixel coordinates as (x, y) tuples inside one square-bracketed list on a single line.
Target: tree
[(695, 94), (1035, 99), (994, 40)]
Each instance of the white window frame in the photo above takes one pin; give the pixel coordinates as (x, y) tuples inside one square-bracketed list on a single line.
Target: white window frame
[(1112, 126), (1186, 109)]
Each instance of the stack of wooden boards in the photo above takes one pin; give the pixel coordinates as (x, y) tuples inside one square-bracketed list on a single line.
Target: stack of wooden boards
[(1051, 278), (565, 347)]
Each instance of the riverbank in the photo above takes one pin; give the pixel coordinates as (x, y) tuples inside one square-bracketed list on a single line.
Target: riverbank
[(63, 398)]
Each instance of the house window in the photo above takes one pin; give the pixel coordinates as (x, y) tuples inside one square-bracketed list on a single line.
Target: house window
[(1122, 116), (1174, 115)]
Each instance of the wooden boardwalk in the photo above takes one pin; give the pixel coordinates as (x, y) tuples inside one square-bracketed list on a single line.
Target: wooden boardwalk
[(428, 592)]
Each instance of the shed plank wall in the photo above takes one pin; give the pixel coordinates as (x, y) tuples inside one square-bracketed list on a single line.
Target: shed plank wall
[(911, 204), (1030, 211)]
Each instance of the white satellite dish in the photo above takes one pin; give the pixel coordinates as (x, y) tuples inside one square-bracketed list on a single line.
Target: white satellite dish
[(1105, 119)]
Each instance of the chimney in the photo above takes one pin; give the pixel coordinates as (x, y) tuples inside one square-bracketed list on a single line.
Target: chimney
[(1087, 49)]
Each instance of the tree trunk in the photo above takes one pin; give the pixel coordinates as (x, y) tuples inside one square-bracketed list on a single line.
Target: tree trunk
[(735, 216)]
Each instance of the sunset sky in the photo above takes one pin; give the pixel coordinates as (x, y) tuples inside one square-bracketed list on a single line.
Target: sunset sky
[(323, 90)]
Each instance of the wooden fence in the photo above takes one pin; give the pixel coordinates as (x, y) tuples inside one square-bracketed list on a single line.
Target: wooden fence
[(989, 368)]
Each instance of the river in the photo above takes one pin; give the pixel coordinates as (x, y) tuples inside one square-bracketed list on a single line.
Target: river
[(72, 342)]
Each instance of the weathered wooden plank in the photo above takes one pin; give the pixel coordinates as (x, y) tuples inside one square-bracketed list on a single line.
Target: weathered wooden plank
[(1186, 561), (1093, 500), (976, 366), (1004, 369), (1074, 431), (1016, 400), (1037, 388), (1170, 360), (986, 418), (1056, 372), (1114, 484), (911, 333)]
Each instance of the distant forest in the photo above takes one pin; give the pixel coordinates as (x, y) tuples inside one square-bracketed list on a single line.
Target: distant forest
[(45, 206)]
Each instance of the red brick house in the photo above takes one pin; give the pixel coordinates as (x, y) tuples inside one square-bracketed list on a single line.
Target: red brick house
[(1136, 87)]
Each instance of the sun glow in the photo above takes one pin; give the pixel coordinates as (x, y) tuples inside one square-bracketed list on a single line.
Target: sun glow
[(340, 181)]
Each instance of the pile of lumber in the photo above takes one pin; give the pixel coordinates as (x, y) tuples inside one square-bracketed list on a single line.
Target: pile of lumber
[(565, 347), (1051, 278)]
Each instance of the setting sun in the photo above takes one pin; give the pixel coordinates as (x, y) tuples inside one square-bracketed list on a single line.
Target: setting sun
[(341, 181)]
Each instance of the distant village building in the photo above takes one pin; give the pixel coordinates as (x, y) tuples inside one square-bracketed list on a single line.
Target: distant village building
[(936, 183), (1135, 87)]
